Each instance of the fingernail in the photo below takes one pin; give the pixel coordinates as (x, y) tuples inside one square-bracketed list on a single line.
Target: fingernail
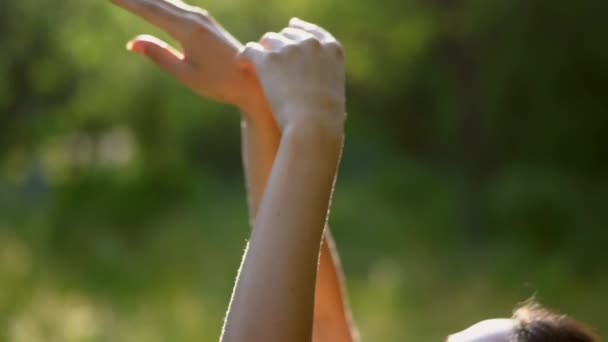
[(134, 47)]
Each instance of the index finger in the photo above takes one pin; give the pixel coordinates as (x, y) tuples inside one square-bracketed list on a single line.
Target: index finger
[(173, 16), (252, 55), (320, 33)]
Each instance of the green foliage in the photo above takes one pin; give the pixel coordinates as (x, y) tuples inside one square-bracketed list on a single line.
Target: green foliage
[(474, 172)]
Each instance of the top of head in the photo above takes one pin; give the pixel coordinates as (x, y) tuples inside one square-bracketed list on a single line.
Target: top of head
[(530, 323), (491, 330)]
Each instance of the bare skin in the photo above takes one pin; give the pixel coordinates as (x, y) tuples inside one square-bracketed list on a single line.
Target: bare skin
[(302, 74), (208, 64), (491, 330)]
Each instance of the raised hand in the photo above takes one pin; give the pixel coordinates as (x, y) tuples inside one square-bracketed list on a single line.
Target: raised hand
[(207, 64), (301, 70), (302, 74)]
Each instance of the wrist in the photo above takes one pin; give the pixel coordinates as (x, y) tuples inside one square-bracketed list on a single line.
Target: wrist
[(315, 135), (258, 115), (319, 124), (252, 103)]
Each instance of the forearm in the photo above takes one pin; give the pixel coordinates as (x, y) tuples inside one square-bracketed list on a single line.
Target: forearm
[(333, 321), (260, 141), (277, 279)]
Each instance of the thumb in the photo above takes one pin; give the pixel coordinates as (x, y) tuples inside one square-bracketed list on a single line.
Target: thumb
[(160, 53)]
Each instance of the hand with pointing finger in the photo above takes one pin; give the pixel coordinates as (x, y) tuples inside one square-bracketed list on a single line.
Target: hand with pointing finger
[(303, 85), (207, 63)]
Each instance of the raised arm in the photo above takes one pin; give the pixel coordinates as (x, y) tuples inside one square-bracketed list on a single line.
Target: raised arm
[(303, 79), (260, 138), (206, 63)]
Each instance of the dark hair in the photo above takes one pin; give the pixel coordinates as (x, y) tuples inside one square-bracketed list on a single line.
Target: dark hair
[(537, 324)]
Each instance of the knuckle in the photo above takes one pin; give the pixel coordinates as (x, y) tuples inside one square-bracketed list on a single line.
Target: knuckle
[(246, 52), (272, 57), (254, 54), (249, 49), (292, 49), (269, 36), (314, 28), (197, 17), (200, 15), (289, 30), (335, 47), (312, 42), (196, 23)]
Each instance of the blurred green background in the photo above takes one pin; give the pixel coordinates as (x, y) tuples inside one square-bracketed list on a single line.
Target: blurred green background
[(474, 173)]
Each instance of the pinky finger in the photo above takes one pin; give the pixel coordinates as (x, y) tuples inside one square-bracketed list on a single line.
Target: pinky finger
[(160, 53)]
